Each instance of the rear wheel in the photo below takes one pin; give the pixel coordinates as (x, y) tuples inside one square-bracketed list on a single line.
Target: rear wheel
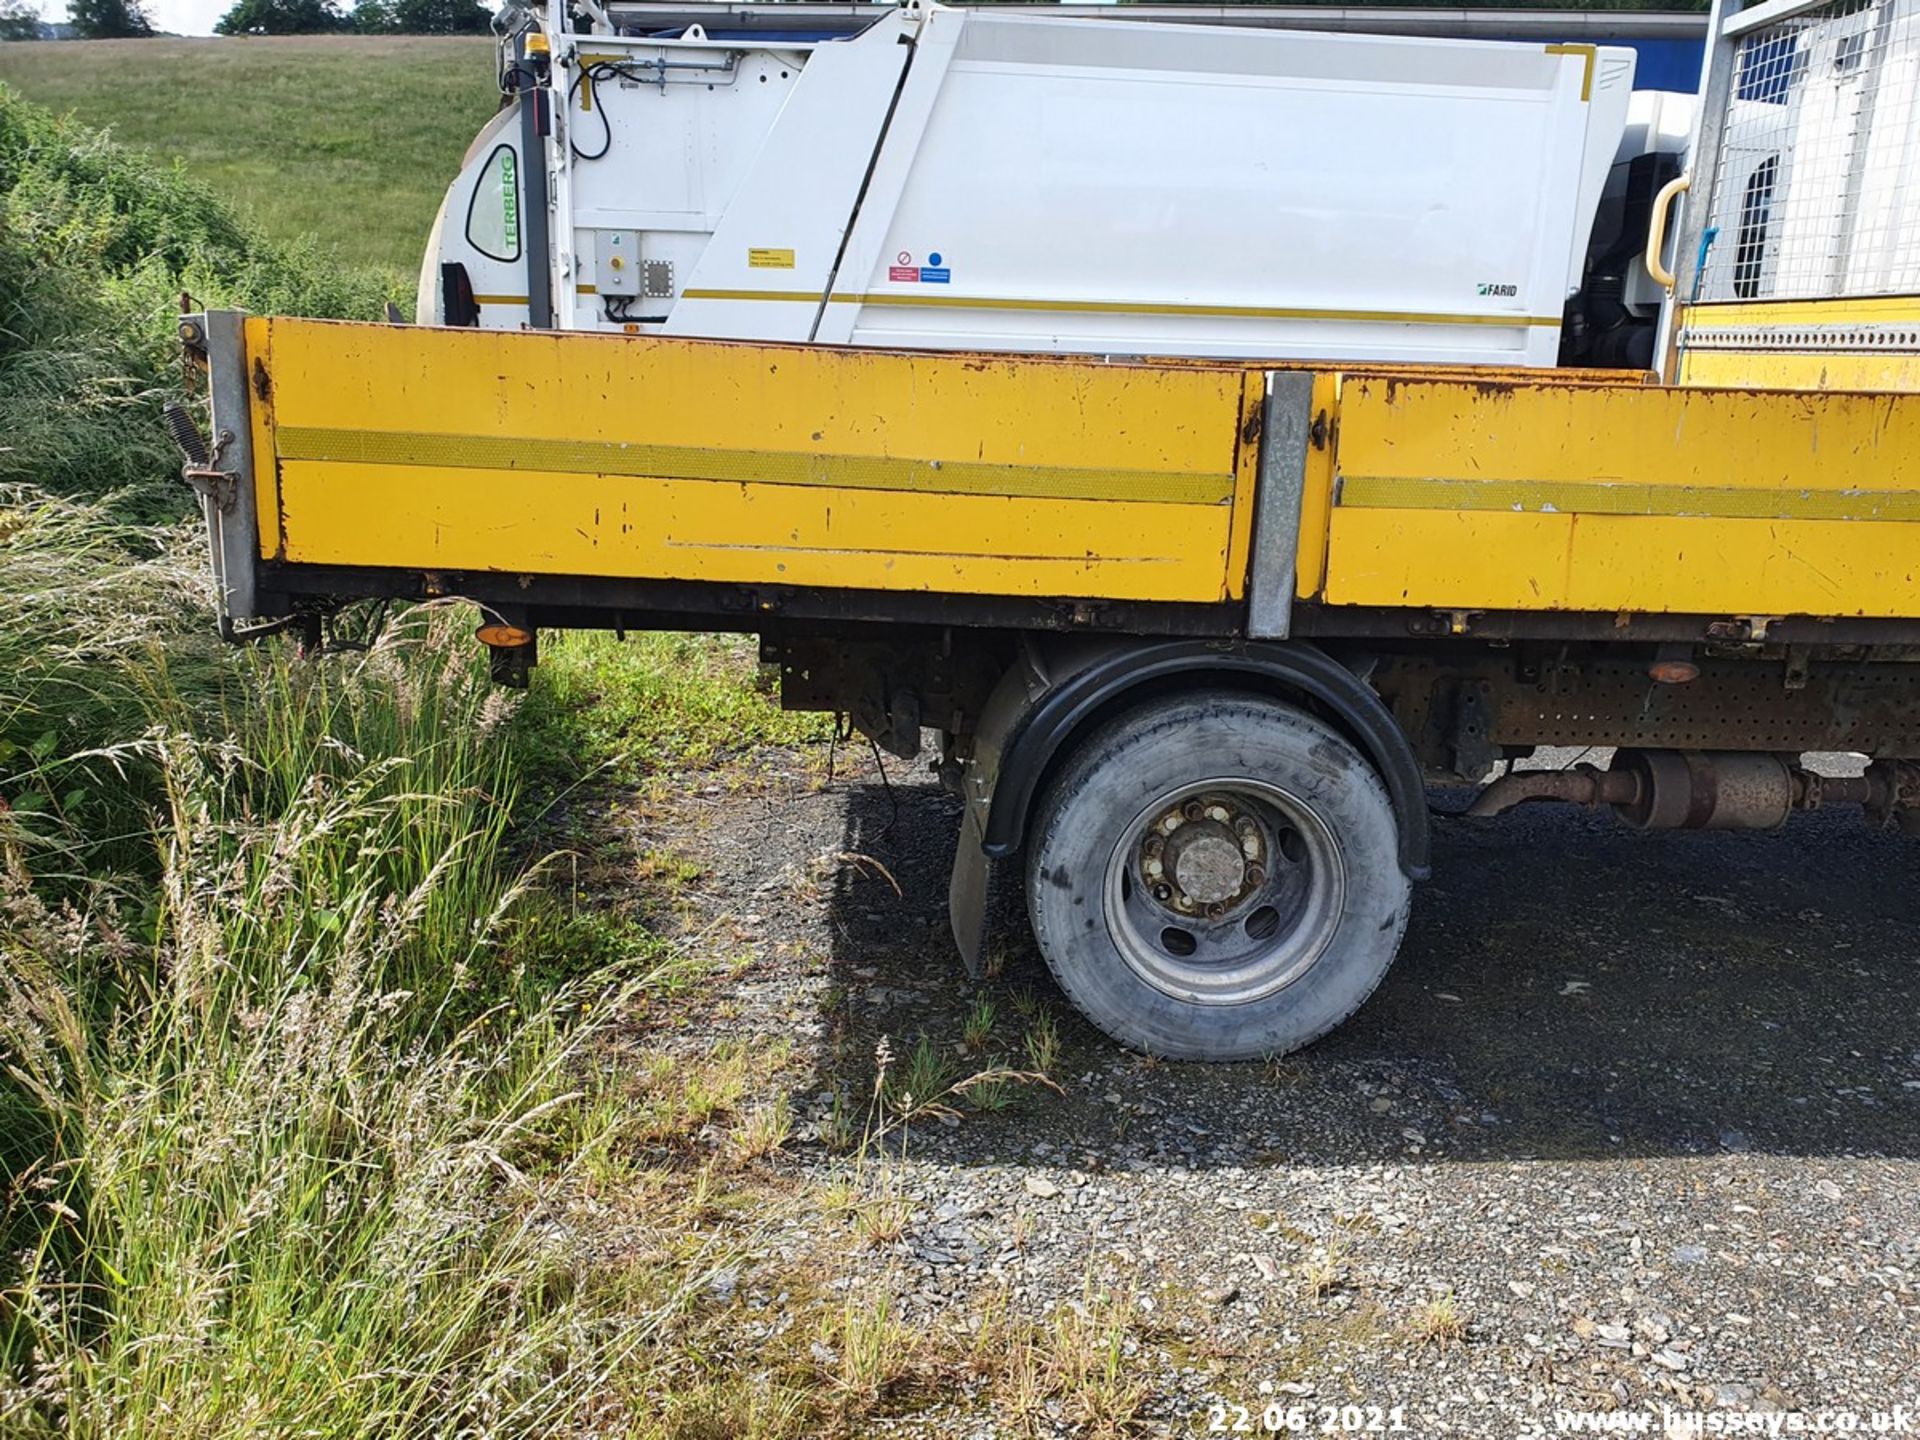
[(1216, 877)]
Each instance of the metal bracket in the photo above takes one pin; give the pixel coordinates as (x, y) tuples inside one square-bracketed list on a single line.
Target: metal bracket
[(1285, 430), (225, 478), (219, 488), (1799, 666), (1469, 736)]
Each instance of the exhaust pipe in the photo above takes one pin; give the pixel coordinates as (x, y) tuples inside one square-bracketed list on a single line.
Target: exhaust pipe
[(1708, 790)]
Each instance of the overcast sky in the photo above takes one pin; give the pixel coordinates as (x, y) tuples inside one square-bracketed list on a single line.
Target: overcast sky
[(180, 17)]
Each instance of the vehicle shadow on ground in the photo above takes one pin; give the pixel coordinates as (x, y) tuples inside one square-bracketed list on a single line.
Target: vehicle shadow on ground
[(1568, 989)]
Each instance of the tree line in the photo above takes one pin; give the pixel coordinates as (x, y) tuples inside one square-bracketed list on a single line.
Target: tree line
[(129, 20)]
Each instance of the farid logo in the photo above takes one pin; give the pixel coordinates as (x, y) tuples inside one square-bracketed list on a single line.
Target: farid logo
[(1484, 288)]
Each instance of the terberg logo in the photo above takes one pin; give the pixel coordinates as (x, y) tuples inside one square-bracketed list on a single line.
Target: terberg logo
[(1486, 289)]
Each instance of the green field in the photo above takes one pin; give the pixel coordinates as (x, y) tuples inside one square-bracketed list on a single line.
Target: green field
[(349, 140)]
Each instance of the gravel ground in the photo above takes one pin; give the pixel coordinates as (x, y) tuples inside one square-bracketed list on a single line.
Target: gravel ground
[(1646, 1108)]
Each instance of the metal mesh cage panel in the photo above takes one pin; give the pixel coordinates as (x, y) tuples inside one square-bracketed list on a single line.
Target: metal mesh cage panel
[(1817, 190)]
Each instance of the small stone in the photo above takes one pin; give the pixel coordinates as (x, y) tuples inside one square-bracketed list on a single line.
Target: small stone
[(1522, 1288), (1828, 1189), (1264, 1264), (1040, 1187), (1381, 1106), (1690, 1255), (823, 1353), (1669, 1360), (1222, 1294), (1584, 1327)]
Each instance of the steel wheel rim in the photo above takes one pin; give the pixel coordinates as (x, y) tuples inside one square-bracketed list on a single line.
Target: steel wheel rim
[(1266, 935)]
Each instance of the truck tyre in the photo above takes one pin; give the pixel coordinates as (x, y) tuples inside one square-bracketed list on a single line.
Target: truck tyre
[(1215, 876)]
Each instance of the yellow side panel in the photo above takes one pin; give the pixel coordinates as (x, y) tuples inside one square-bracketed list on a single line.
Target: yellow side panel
[(1790, 370), (1864, 344), (699, 460), (1863, 310), (1253, 390), (1462, 495), (1613, 563), (266, 490), (981, 544)]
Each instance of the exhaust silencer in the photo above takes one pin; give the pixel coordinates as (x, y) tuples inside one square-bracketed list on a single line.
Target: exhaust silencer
[(1710, 790)]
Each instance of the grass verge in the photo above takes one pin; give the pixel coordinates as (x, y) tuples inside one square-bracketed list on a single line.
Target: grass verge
[(96, 246), (654, 700), (282, 1090), (293, 1080), (295, 133)]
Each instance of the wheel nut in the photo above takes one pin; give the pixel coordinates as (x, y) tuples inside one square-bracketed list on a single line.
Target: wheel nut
[(1155, 868), (1193, 810), (1163, 893), (1256, 876), (1154, 845), (1218, 812)]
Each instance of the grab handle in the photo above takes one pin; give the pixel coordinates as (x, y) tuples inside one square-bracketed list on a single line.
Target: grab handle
[(1657, 230)]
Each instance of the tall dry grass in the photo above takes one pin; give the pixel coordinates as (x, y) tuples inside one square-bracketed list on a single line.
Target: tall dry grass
[(279, 1097), (293, 1104)]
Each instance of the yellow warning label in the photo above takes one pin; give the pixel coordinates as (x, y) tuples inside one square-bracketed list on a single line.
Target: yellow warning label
[(759, 257)]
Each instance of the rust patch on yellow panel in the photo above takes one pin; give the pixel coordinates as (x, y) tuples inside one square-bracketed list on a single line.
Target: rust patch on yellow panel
[(256, 336), (1316, 499), (1246, 476)]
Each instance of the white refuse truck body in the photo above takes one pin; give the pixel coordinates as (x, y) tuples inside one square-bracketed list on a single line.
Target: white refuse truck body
[(958, 180)]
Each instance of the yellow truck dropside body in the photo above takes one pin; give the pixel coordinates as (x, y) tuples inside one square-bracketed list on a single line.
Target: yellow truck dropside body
[(584, 455)]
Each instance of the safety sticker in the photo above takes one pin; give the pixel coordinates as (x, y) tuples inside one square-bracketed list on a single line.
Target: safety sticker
[(934, 272), (760, 257)]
